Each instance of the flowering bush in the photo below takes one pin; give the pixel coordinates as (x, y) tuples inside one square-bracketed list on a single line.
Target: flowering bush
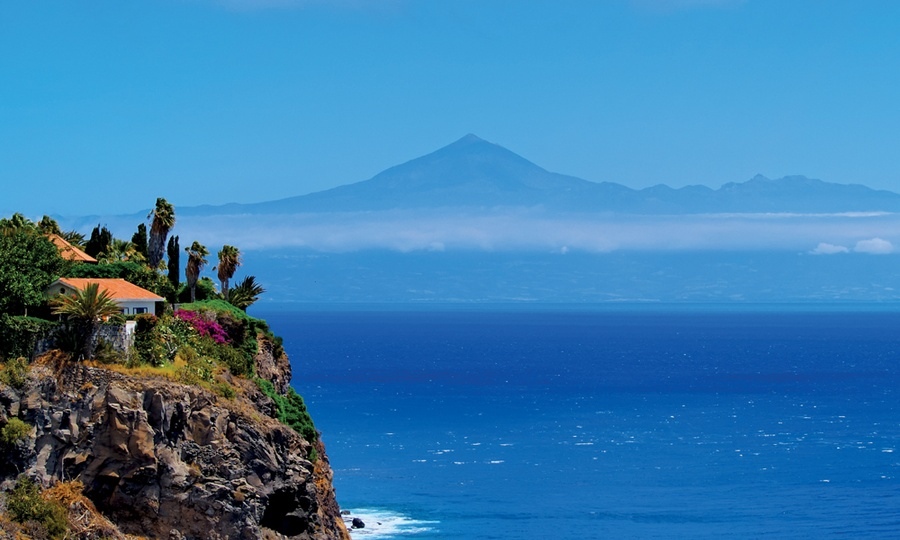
[(205, 326)]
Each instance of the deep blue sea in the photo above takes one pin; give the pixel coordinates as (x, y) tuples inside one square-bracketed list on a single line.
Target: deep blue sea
[(626, 424)]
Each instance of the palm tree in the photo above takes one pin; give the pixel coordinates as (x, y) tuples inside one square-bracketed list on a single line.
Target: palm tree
[(75, 238), (196, 261), (87, 308), (121, 250), (163, 221), (245, 293), (16, 223), (48, 225), (229, 260)]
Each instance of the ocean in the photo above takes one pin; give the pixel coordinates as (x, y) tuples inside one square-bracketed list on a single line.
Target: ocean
[(644, 423)]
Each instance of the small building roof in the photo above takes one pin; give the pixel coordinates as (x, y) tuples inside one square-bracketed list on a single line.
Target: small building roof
[(118, 289), (68, 251)]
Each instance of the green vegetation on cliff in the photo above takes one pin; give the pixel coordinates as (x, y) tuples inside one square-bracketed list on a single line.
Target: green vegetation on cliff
[(26, 504), (291, 410)]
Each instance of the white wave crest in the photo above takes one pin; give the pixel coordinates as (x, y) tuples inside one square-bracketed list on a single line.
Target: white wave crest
[(381, 523)]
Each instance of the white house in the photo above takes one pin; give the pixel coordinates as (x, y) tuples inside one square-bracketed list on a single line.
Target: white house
[(132, 299)]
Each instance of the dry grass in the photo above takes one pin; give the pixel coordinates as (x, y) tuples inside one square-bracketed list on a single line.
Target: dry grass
[(166, 371), (9, 529), (84, 520), (54, 359)]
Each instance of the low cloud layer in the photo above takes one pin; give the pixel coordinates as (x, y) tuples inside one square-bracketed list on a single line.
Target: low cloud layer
[(824, 248), (407, 231), (874, 246)]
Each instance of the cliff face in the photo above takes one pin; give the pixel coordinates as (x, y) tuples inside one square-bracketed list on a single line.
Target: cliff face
[(162, 459)]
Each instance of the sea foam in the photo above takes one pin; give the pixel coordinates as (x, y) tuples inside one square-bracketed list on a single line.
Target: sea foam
[(383, 524)]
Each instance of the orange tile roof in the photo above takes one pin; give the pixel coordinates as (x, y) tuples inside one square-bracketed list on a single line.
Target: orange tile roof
[(68, 251), (118, 289)]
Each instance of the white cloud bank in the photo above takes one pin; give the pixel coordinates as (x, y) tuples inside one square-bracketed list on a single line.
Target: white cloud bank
[(829, 249), (531, 230), (874, 246)]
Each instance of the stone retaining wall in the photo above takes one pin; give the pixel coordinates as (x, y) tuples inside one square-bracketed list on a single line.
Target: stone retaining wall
[(120, 336)]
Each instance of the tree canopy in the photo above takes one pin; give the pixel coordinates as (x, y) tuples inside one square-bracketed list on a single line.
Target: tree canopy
[(139, 240), (173, 249), (100, 241), (29, 263)]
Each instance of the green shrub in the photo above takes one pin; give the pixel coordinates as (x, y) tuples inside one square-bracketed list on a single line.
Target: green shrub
[(296, 416), (158, 339), (68, 338), (19, 335), (217, 305), (105, 353), (25, 504), (205, 289), (15, 372), (235, 360), (14, 431), (146, 342), (224, 389), (198, 369), (242, 330), (291, 410)]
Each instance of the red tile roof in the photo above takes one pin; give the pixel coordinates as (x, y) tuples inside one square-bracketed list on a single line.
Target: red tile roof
[(68, 251), (118, 289)]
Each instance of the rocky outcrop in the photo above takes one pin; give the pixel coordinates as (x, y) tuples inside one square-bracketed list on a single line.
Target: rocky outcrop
[(275, 368), (167, 460)]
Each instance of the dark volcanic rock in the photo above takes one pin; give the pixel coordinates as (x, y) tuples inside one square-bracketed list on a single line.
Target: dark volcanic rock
[(274, 368), (168, 460), (358, 523)]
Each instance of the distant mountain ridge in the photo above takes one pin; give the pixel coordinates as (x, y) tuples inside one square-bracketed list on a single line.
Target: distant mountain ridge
[(474, 222), (475, 173)]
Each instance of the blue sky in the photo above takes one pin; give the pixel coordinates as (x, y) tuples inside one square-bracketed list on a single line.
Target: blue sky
[(106, 105)]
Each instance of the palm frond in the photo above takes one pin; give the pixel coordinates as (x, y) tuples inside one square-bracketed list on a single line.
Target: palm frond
[(245, 293)]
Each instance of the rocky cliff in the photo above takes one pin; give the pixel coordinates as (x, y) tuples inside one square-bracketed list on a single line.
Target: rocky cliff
[(161, 459)]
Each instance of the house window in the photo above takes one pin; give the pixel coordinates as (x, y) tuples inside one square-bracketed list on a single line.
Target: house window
[(139, 310), (62, 290)]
